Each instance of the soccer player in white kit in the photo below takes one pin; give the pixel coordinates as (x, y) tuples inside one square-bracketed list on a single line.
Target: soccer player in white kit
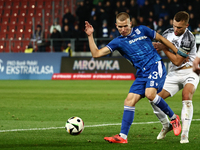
[(180, 75)]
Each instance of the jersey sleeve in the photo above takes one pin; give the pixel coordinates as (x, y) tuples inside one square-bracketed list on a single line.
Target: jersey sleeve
[(149, 32), (113, 45), (166, 32), (187, 43)]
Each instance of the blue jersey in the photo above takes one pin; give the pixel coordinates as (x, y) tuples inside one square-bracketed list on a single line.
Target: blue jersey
[(137, 48)]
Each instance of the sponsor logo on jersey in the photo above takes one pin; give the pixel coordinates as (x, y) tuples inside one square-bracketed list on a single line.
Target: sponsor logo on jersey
[(136, 39)]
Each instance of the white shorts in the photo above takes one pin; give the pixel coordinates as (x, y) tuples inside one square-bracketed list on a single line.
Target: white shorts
[(176, 80)]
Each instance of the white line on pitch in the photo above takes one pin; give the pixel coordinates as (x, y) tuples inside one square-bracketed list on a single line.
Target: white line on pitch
[(98, 125)]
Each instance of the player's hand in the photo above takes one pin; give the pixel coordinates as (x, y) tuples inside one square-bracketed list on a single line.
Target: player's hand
[(197, 71), (155, 45), (196, 67), (88, 28), (186, 60), (159, 46)]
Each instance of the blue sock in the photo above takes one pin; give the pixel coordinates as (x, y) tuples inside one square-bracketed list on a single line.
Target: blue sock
[(127, 120), (160, 102)]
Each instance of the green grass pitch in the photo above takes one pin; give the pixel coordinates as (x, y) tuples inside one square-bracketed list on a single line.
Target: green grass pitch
[(33, 115)]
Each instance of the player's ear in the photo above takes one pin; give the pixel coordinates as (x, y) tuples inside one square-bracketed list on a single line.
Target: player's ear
[(116, 25), (130, 23)]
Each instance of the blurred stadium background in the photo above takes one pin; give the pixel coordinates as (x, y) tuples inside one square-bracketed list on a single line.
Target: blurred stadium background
[(19, 18)]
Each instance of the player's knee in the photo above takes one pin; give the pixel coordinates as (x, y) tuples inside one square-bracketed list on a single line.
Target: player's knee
[(132, 99), (129, 102), (150, 93), (150, 96)]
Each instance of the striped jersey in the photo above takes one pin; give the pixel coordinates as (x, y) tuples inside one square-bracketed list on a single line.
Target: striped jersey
[(137, 47), (187, 40)]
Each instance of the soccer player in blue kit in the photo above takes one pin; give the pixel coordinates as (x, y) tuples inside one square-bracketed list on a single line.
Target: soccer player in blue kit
[(135, 44)]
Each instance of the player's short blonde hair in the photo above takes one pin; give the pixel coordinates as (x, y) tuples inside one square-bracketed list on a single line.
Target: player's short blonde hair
[(122, 16)]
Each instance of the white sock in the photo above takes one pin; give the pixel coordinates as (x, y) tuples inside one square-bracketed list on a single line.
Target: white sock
[(186, 116), (165, 122), (160, 115), (173, 117), (124, 136)]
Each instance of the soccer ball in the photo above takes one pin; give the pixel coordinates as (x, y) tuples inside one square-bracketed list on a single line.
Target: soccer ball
[(74, 125)]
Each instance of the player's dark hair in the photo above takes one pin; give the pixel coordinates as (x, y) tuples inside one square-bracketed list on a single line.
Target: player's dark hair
[(182, 16), (122, 16)]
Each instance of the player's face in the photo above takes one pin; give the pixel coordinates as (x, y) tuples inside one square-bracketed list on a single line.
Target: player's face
[(124, 27), (179, 27)]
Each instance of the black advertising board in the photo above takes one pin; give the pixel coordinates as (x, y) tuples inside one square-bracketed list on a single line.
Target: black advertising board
[(96, 65)]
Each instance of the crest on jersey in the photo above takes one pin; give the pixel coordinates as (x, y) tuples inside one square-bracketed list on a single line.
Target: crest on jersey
[(137, 31)]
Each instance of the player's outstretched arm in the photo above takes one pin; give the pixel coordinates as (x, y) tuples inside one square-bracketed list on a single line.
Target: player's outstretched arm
[(175, 58), (93, 47)]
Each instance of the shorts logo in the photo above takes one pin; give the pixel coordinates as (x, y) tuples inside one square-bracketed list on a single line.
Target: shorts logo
[(151, 83)]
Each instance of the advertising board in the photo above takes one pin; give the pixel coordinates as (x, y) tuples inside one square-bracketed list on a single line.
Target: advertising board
[(88, 68), (36, 66), (96, 65)]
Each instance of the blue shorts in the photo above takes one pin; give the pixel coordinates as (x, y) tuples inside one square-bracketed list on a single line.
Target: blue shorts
[(154, 77)]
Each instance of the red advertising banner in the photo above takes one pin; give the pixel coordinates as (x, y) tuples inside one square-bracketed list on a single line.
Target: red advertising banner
[(93, 76)]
